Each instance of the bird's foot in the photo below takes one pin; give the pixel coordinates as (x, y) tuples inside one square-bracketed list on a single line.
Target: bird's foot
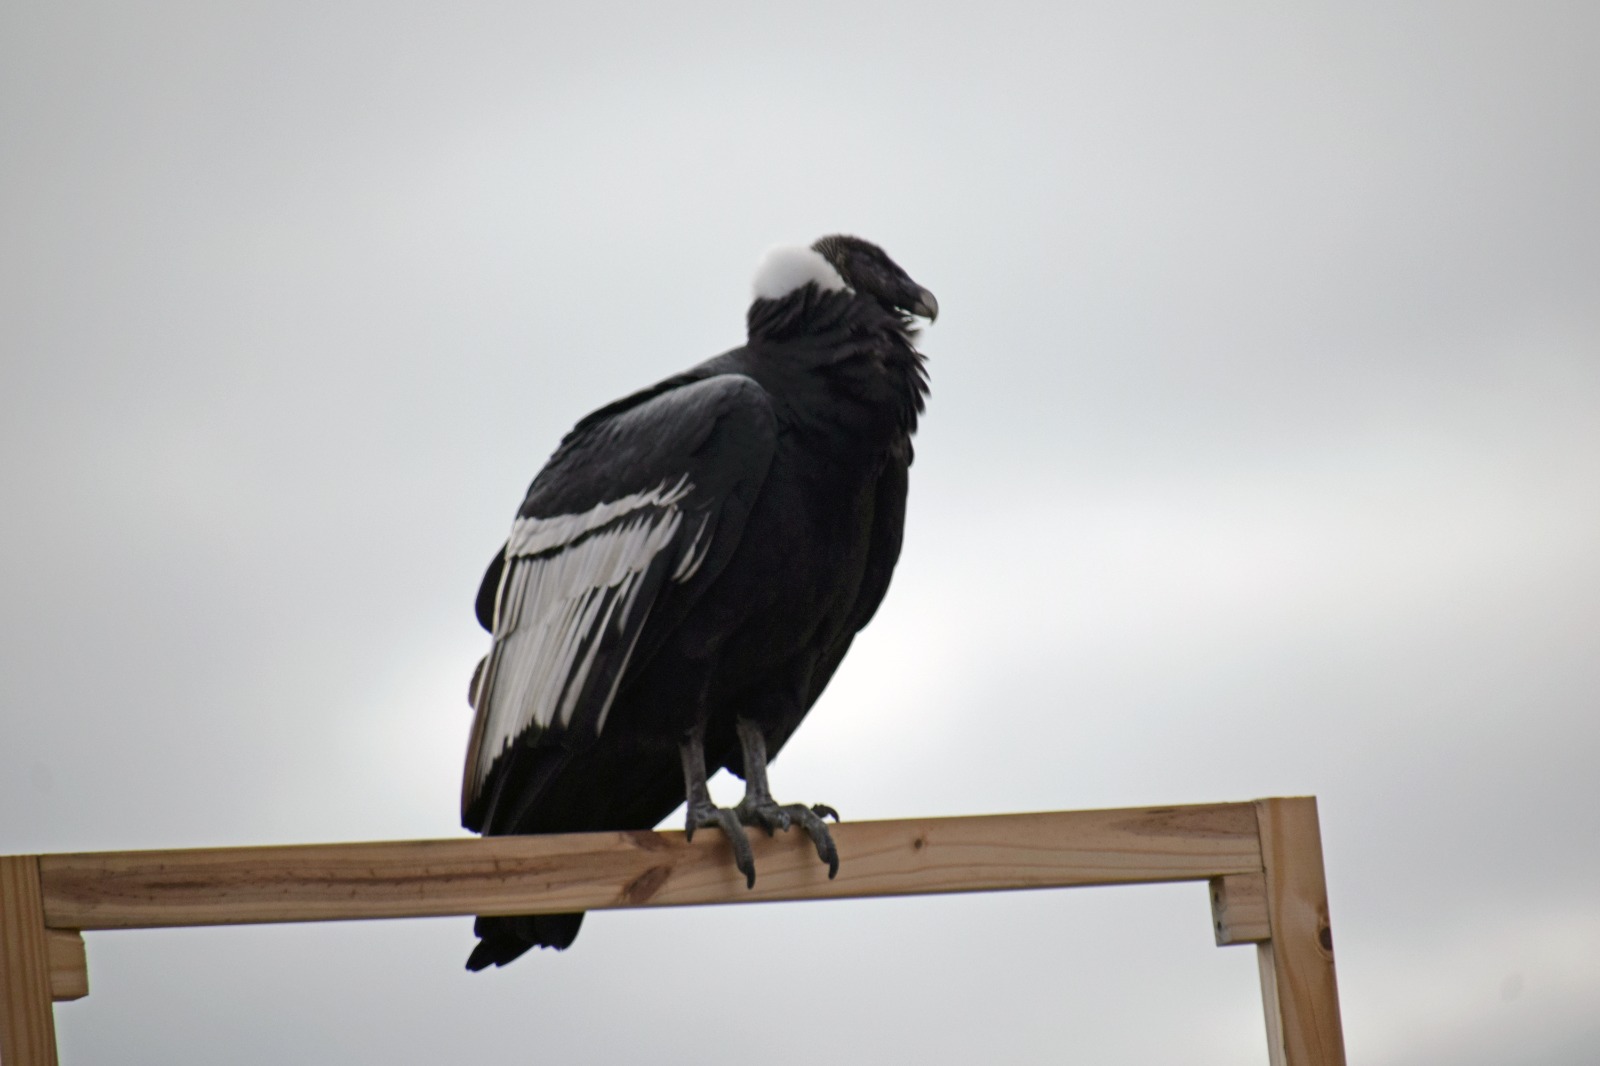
[(729, 821), (773, 817)]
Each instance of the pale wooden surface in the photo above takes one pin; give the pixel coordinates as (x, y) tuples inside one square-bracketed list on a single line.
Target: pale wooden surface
[(552, 874), (1264, 861), (27, 1025), (1239, 909), (1271, 1005), (1298, 987), (69, 965)]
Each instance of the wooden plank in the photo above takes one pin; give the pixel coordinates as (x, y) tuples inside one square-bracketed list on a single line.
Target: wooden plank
[(1298, 987), (1266, 963), (69, 965), (1239, 909), (553, 874), (27, 1023)]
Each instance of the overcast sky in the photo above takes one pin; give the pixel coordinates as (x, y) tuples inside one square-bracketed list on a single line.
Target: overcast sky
[(1263, 458)]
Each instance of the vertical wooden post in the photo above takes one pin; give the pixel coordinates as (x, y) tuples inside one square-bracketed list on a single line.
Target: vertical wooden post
[(1297, 979), (27, 1022)]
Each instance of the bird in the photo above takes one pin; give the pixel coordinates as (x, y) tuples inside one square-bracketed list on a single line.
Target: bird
[(689, 568)]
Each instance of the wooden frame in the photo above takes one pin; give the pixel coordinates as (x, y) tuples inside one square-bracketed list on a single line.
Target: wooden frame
[(1263, 861)]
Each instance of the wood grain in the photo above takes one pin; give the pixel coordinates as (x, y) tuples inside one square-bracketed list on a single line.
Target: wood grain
[(27, 1023), (1298, 987), (1239, 909), (69, 965), (553, 874)]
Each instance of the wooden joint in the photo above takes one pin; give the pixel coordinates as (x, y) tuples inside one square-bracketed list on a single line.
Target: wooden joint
[(1239, 909), (69, 965)]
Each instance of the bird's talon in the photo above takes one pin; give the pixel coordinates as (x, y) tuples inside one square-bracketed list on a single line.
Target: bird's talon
[(743, 859), (811, 818), (729, 822)]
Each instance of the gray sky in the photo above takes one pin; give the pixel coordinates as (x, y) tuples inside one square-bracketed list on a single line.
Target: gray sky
[(1263, 458)]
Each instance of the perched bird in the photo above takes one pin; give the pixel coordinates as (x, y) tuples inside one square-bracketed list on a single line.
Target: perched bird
[(689, 568)]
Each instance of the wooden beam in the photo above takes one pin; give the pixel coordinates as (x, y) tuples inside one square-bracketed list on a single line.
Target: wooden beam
[(590, 871), (27, 1023), (1298, 988), (69, 965), (1264, 861), (1239, 909)]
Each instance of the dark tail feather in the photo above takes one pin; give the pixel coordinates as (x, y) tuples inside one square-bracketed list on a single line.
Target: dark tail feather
[(559, 790), (503, 939)]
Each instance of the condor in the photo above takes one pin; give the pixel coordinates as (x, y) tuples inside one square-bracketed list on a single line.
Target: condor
[(689, 569)]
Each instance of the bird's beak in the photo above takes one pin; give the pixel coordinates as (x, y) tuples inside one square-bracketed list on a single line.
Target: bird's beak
[(926, 305)]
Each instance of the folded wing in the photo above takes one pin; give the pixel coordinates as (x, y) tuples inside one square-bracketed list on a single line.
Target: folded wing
[(624, 529)]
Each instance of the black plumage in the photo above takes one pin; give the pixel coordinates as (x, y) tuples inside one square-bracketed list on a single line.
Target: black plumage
[(688, 570)]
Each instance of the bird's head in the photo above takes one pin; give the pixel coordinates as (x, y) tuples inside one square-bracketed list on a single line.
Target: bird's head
[(837, 264), (868, 270)]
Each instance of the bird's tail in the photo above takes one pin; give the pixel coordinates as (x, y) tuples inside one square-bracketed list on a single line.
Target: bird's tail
[(503, 939), (560, 790)]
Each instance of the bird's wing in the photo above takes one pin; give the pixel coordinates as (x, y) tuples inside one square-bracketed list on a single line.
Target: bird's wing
[(489, 588), (635, 514)]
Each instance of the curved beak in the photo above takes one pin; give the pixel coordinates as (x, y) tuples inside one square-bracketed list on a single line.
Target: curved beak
[(926, 305)]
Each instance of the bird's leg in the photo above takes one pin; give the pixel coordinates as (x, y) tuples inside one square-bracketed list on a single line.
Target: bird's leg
[(702, 812), (759, 808)]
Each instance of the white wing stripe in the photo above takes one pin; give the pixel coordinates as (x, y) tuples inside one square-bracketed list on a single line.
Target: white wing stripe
[(555, 609), (530, 536), (694, 554)]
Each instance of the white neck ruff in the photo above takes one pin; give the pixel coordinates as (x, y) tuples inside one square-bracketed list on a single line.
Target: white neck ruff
[(783, 270)]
